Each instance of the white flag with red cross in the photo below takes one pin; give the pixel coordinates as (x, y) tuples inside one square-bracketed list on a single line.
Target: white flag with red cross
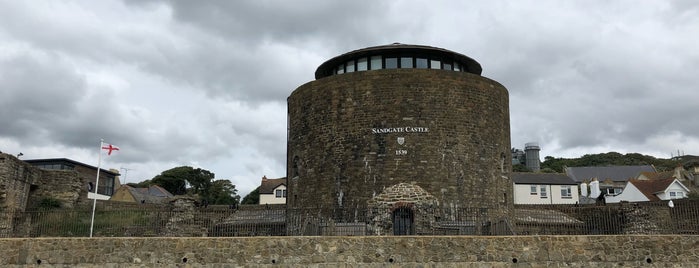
[(110, 148)]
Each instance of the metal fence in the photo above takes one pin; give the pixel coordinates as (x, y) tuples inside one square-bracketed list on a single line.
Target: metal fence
[(612, 219)]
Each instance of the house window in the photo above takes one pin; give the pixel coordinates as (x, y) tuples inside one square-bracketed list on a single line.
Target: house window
[(543, 192), (106, 186), (566, 192), (281, 193), (532, 190), (674, 195), (613, 191)]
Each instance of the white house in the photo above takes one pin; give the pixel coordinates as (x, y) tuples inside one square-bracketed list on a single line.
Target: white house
[(273, 191), (544, 188), (650, 190)]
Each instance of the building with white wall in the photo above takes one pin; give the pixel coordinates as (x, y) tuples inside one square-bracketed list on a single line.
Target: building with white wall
[(544, 188)]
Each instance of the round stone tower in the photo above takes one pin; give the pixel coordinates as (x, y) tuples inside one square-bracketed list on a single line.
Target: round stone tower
[(382, 122)]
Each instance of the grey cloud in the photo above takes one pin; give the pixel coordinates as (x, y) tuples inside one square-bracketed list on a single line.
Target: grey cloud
[(36, 94)]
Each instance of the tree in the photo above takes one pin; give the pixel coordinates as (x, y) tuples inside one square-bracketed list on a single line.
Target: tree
[(608, 159), (253, 198), (143, 184), (223, 192), (547, 170), (196, 181), (520, 168), (175, 180)]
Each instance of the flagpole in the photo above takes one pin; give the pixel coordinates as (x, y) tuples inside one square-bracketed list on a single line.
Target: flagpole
[(97, 182)]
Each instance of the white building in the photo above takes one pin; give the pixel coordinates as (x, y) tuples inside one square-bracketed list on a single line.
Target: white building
[(650, 190), (273, 191), (544, 188)]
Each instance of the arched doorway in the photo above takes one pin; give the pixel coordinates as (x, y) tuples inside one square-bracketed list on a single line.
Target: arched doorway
[(403, 221)]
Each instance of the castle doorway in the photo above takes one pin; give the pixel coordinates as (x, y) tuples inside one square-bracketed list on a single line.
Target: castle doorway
[(403, 221)]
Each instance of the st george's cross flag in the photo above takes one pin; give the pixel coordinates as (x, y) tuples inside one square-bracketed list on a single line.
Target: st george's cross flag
[(110, 148), (94, 195)]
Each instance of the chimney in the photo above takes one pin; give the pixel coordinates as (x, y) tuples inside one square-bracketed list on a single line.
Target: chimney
[(264, 178)]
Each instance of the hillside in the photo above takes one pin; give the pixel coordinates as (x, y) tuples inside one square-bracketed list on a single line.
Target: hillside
[(553, 164)]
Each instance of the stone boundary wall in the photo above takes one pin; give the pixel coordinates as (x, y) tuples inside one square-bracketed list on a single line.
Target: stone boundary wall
[(355, 251)]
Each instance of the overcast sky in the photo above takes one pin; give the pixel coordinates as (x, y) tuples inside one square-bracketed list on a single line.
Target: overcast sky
[(204, 83)]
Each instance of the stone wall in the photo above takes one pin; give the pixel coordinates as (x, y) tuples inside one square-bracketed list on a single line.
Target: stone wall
[(17, 180), (386, 251), (65, 186)]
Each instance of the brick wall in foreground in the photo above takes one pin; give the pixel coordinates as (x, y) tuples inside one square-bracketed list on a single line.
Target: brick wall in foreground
[(354, 251)]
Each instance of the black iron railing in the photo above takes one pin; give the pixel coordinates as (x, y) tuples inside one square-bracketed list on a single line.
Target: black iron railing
[(611, 219)]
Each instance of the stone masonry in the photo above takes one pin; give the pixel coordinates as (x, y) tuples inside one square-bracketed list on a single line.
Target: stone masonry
[(354, 251), (458, 153)]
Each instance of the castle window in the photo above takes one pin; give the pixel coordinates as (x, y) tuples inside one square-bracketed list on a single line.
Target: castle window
[(350, 66), (406, 62), (447, 66), (362, 64), (435, 64), (421, 63), (375, 63), (340, 69), (295, 167), (391, 63)]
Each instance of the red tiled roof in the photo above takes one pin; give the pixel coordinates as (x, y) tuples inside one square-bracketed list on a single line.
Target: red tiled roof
[(650, 187)]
